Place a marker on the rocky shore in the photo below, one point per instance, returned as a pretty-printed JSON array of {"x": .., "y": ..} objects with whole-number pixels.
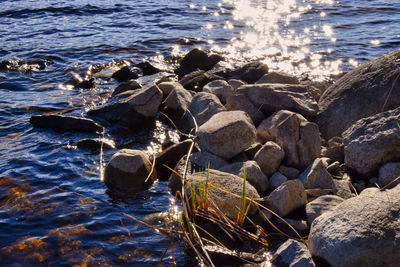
[{"x": 324, "y": 157}]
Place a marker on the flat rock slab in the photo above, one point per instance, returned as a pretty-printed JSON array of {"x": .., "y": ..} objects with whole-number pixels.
[
  {"x": 359, "y": 94},
  {"x": 60, "y": 123},
  {"x": 361, "y": 231}
]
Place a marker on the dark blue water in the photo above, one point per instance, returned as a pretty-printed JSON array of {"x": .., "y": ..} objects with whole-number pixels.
[{"x": 54, "y": 210}]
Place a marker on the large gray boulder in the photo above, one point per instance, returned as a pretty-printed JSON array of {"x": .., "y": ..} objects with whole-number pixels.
[
  {"x": 321, "y": 205},
  {"x": 292, "y": 254},
  {"x": 361, "y": 231},
  {"x": 372, "y": 141},
  {"x": 299, "y": 138},
  {"x": 128, "y": 172},
  {"x": 274, "y": 97},
  {"x": 227, "y": 134},
  {"x": 131, "y": 108},
  {"x": 360, "y": 93}
]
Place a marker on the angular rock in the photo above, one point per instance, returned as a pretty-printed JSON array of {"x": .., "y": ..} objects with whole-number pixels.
[
  {"x": 274, "y": 97},
  {"x": 249, "y": 73},
  {"x": 341, "y": 188},
  {"x": 287, "y": 197},
  {"x": 227, "y": 134},
  {"x": 128, "y": 172},
  {"x": 361, "y": 93},
  {"x": 289, "y": 172},
  {"x": 60, "y": 123},
  {"x": 197, "y": 79},
  {"x": 321, "y": 205},
  {"x": 254, "y": 175},
  {"x": 269, "y": 157},
  {"x": 317, "y": 176},
  {"x": 220, "y": 88},
  {"x": 168, "y": 87},
  {"x": 95, "y": 144},
  {"x": 372, "y": 141},
  {"x": 177, "y": 102},
  {"x": 388, "y": 173},
  {"x": 197, "y": 59},
  {"x": 278, "y": 77},
  {"x": 124, "y": 74},
  {"x": 241, "y": 102},
  {"x": 147, "y": 68},
  {"x": 361, "y": 231},
  {"x": 236, "y": 83},
  {"x": 277, "y": 179},
  {"x": 294, "y": 254},
  {"x": 132, "y": 108},
  {"x": 126, "y": 86},
  {"x": 299, "y": 138}
]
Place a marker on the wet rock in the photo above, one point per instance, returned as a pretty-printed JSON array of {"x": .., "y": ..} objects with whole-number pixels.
[
  {"x": 269, "y": 157},
  {"x": 236, "y": 83},
  {"x": 278, "y": 77},
  {"x": 197, "y": 59},
  {"x": 220, "y": 88},
  {"x": 299, "y": 138},
  {"x": 197, "y": 79},
  {"x": 126, "y": 86},
  {"x": 361, "y": 231},
  {"x": 293, "y": 253},
  {"x": 321, "y": 205},
  {"x": 177, "y": 102},
  {"x": 317, "y": 176},
  {"x": 87, "y": 84},
  {"x": 287, "y": 197},
  {"x": 147, "y": 68},
  {"x": 241, "y": 102},
  {"x": 274, "y": 97},
  {"x": 388, "y": 173},
  {"x": 95, "y": 144},
  {"x": 250, "y": 73},
  {"x": 335, "y": 149},
  {"x": 227, "y": 203},
  {"x": 124, "y": 74},
  {"x": 227, "y": 134},
  {"x": 170, "y": 157},
  {"x": 254, "y": 175},
  {"x": 289, "y": 172},
  {"x": 203, "y": 106},
  {"x": 60, "y": 123},
  {"x": 371, "y": 142},
  {"x": 359, "y": 94},
  {"x": 128, "y": 172},
  {"x": 132, "y": 109},
  {"x": 277, "y": 179}
]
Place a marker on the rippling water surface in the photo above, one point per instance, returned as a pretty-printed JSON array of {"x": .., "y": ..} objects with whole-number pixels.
[{"x": 53, "y": 208}]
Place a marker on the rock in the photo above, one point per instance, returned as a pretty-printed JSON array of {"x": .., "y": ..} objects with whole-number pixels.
[
  {"x": 168, "y": 87},
  {"x": 321, "y": 205},
  {"x": 124, "y": 74},
  {"x": 388, "y": 173},
  {"x": 197, "y": 79},
  {"x": 252, "y": 150},
  {"x": 360, "y": 186},
  {"x": 254, "y": 175},
  {"x": 198, "y": 161},
  {"x": 269, "y": 157},
  {"x": 177, "y": 102},
  {"x": 317, "y": 192},
  {"x": 287, "y": 197},
  {"x": 227, "y": 203},
  {"x": 361, "y": 231},
  {"x": 60, "y": 123},
  {"x": 317, "y": 176},
  {"x": 289, "y": 172},
  {"x": 294, "y": 254},
  {"x": 203, "y": 106},
  {"x": 147, "y": 68},
  {"x": 277, "y": 179},
  {"x": 227, "y": 134},
  {"x": 87, "y": 84},
  {"x": 371, "y": 142},
  {"x": 335, "y": 149},
  {"x": 95, "y": 144},
  {"x": 299, "y": 138},
  {"x": 359, "y": 94},
  {"x": 236, "y": 83},
  {"x": 197, "y": 59},
  {"x": 278, "y": 77},
  {"x": 129, "y": 172},
  {"x": 274, "y": 97},
  {"x": 250, "y": 73},
  {"x": 126, "y": 86},
  {"x": 241, "y": 102},
  {"x": 341, "y": 188},
  {"x": 170, "y": 157},
  {"x": 220, "y": 88},
  {"x": 131, "y": 109}
]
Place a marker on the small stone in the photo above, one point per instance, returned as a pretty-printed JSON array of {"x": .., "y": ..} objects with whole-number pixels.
[
  {"x": 269, "y": 157},
  {"x": 277, "y": 179},
  {"x": 317, "y": 176}
]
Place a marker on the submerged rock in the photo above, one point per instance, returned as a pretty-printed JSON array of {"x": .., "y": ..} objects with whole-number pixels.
[
  {"x": 60, "y": 123},
  {"x": 129, "y": 172}
]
